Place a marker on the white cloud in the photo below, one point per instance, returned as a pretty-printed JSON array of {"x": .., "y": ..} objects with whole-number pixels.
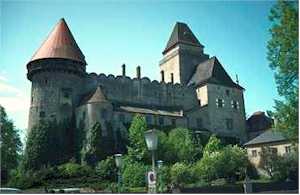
[
  {"x": 12, "y": 98},
  {"x": 3, "y": 78}
]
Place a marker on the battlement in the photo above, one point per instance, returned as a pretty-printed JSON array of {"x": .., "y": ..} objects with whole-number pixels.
[{"x": 143, "y": 91}]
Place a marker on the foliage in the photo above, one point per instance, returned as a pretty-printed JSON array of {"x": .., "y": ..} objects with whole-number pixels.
[
  {"x": 10, "y": 145},
  {"x": 93, "y": 148},
  {"x": 71, "y": 169},
  {"x": 283, "y": 57},
  {"x": 279, "y": 167},
  {"x": 47, "y": 145},
  {"x": 163, "y": 178},
  {"x": 137, "y": 148},
  {"x": 106, "y": 169},
  {"x": 180, "y": 146},
  {"x": 134, "y": 173},
  {"x": 181, "y": 174},
  {"x": 221, "y": 162},
  {"x": 213, "y": 145}
]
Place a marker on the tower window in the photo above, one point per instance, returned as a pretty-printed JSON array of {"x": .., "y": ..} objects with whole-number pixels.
[
  {"x": 220, "y": 103},
  {"x": 46, "y": 81},
  {"x": 42, "y": 114},
  {"x": 104, "y": 113},
  {"x": 227, "y": 92},
  {"x": 173, "y": 122},
  {"x": 172, "y": 78},
  {"x": 161, "y": 121},
  {"x": 199, "y": 122},
  {"x": 199, "y": 102},
  {"x": 254, "y": 153},
  {"x": 122, "y": 118},
  {"x": 235, "y": 104},
  {"x": 148, "y": 119},
  {"x": 229, "y": 124}
]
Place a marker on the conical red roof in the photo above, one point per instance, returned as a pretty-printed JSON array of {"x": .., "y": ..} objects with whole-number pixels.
[
  {"x": 98, "y": 96},
  {"x": 60, "y": 43}
]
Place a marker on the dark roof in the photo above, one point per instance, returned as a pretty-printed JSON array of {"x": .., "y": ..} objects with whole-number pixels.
[
  {"x": 182, "y": 34},
  {"x": 267, "y": 137},
  {"x": 258, "y": 121},
  {"x": 211, "y": 71},
  {"x": 177, "y": 113},
  {"x": 60, "y": 43}
]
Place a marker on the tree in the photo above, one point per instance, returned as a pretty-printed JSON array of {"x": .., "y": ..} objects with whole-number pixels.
[
  {"x": 37, "y": 147},
  {"x": 10, "y": 145},
  {"x": 137, "y": 148},
  {"x": 181, "y": 147},
  {"x": 93, "y": 149},
  {"x": 283, "y": 57}
]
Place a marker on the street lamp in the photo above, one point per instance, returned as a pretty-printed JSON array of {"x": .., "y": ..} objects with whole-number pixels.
[
  {"x": 119, "y": 163},
  {"x": 151, "y": 141}
]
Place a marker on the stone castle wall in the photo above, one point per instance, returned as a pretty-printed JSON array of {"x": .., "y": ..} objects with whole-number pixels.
[{"x": 142, "y": 91}]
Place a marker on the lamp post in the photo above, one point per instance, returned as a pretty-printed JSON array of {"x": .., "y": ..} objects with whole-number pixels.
[
  {"x": 119, "y": 163},
  {"x": 151, "y": 141}
]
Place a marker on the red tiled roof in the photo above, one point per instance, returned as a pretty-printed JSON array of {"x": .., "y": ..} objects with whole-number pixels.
[{"x": 60, "y": 43}]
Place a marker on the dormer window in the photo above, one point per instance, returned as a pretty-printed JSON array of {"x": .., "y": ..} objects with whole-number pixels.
[{"x": 220, "y": 103}]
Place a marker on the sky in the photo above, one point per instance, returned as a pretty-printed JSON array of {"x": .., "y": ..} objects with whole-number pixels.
[{"x": 111, "y": 33}]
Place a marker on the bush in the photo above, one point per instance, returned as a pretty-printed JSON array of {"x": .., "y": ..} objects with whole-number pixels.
[
  {"x": 163, "y": 178},
  {"x": 181, "y": 174},
  {"x": 106, "y": 169},
  {"x": 70, "y": 170},
  {"x": 134, "y": 174},
  {"x": 279, "y": 168},
  {"x": 227, "y": 162}
]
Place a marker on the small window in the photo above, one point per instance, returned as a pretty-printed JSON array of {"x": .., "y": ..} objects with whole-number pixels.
[
  {"x": 287, "y": 149},
  {"x": 148, "y": 119},
  {"x": 199, "y": 122},
  {"x": 46, "y": 81},
  {"x": 122, "y": 118},
  {"x": 161, "y": 121},
  {"x": 199, "y": 102},
  {"x": 229, "y": 124},
  {"x": 227, "y": 92},
  {"x": 235, "y": 104},
  {"x": 274, "y": 151},
  {"x": 172, "y": 78},
  {"x": 254, "y": 153},
  {"x": 42, "y": 114},
  {"x": 173, "y": 122},
  {"x": 220, "y": 103},
  {"x": 104, "y": 113}
]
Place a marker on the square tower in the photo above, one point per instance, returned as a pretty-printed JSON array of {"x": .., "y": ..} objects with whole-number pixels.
[{"x": 181, "y": 55}]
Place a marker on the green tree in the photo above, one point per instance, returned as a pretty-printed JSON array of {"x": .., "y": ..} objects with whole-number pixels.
[
  {"x": 213, "y": 145},
  {"x": 137, "y": 148},
  {"x": 93, "y": 149},
  {"x": 37, "y": 147},
  {"x": 10, "y": 145},
  {"x": 181, "y": 147},
  {"x": 283, "y": 57}
]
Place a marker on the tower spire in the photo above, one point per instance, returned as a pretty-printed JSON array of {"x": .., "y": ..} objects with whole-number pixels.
[{"x": 60, "y": 43}]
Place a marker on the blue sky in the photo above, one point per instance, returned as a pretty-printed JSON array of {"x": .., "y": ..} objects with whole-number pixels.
[{"x": 111, "y": 33}]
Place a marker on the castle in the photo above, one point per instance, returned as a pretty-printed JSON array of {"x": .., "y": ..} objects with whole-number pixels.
[{"x": 194, "y": 91}]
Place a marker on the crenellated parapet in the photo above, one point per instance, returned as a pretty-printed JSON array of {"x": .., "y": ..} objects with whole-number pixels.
[{"x": 143, "y": 91}]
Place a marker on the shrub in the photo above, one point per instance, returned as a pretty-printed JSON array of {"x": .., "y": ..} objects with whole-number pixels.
[
  {"x": 134, "y": 174},
  {"x": 69, "y": 170},
  {"x": 279, "y": 167},
  {"x": 228, "y": 162},
  {"x": 106, "y": 169},
  {"x": 181, "y": 174},
  {"x": 163, "y": 178},
  {"x": 181, "y": 147}
]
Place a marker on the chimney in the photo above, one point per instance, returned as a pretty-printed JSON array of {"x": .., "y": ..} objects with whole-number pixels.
[
  {"x": 237, "y": 78},
  {"x": 172, "y": 78},
  {"x": 123, "y": 70},
  {"x": 162, "y": 76},
  {"x": 138, "y": 72}
]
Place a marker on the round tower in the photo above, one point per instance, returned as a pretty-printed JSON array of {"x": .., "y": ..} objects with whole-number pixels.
[{"x": 56, "y": 71}]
